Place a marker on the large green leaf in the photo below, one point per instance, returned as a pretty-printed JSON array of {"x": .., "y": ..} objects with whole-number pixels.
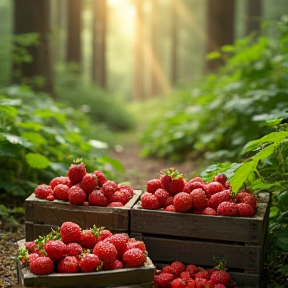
[
  {"x": 14, "y": 139},
  {"x": 36, "y": 160}
]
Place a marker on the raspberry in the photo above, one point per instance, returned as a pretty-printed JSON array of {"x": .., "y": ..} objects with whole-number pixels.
[
  {"x": 42, "y": 191},
  {"x": 178, "y": 283},
  {"x": 164, "y": 280},
  {"x": 97, "y": 198},
  {"x": 178, "y": 267}
]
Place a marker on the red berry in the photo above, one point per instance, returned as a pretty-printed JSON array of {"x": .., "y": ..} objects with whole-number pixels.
[
  {"x": 70, "y": 232},
  {"x": 152, "y": 185},
  {"x": 77, "y": 195},
  {"x": 164, "y": 280},
  {"x": 170, "y": 208},
  {"x": 55, "y": 249},
  {"x": 76, "y": 172},
  {"x": 117, "y": 264},
  {"x": 106, "y": 251},
  {"x": 101, "y": 177},
  {"x": 162, "y": 195},
  {"x": 213, "y": 187},
  {"x": 42, "y": 191},
  {"x": 108, "y": 188},
  {"x": 178, "y": 266},
  {"x": 89, "y": 183},
  {"x": 119, "y": 196},
  {"x": 88, "y": 239},
  {"x": 178, "y": 283},
  {"x": 221, "y": 178},
  {"x": 227, "y": 209},
  {"x": 149, "y": 201},
  {"x": 191, "y": 185},
  {"x": 69, "y": 264},
  {"x": 220, "y": 277},
  {"x": 42, "y": 265},
  {"x": 89, "y": 263},
  {"x": 119, "y": 240},
  {"x": 218, "y": 198},
  {"x": 134, "y": 258},
  {"x": 245, "y": 210},
  {"x": 30, "y": 246},
  {"x": 133, "y": 243},
  {"x": 199, "y": 199},
  {"x": 182, "y": 202},
  {"x": 209, "y": 211},
  {"x": 74, "y": 249},
  {"x": 60, "y": 180},
  {"x": 61, "y": 192},
  {"x": 97, "y": 198},
  {"x": 115, "y": 205}
]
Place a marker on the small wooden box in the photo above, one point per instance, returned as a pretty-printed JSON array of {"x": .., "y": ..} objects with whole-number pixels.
[
  {"x": 200, "y": 239},
  {"x": 42, "y": 215}
]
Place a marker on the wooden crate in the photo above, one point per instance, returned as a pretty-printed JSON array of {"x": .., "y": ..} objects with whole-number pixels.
[
  {"x": 131, "y": 277},
  {"x": 199, "y": 239},
  {"x": 42, "y": 215}
]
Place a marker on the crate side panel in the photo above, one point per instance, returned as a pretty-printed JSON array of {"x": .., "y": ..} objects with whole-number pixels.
[{"x": 203, "y": 253}]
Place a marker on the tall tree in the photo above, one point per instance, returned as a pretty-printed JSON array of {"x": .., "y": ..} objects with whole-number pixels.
[
  {"x": 254, "y": 12},
  {"x": 34, "y": 16},
  {"x": 220, "y": 27},
  {"x": 99, "y": 43},
  {"x": 73, "y": 45},
  {"x": 139, "y": 51}
]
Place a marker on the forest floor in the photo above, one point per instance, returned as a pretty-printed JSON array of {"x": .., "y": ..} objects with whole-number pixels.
[{"x": 138, "y": 171}]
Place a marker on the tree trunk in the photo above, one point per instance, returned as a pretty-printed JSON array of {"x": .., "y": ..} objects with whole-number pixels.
[
  {"x": 254, "y": 12},
  {"x": 73, "y": 48},
  {"x": 139, "y": 52},
  {"x": 99, "y": 43},
  {"x": 34, "y": 16},
  {"x": 220, "y": 28},
  {"x": 174, "y": 42}
]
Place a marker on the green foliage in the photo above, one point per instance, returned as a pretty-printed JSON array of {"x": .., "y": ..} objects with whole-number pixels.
[
  {"x": 101, "y": 106},
  {"x": 39, "y": 138},
  {"x": 227, "y": 109}
]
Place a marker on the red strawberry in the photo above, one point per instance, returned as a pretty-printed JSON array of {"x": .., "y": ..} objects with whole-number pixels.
[
  {"x": 89, "y": 263},
  {"x": 170, "y": 208},
  {"x": 163, "y": 280},
  {"x": 202, "y": 274},
  {"x": 89, "y": 183},
  {"x": 133, "y": 258},
  {"x": 55, "y": 249},
  {"x": 199, "y": 199},
  {"x": 32, "y": 257},
  {"x": 178, "y": 266},
  {"x": 169, "y": 201},
  {"x": 74, "y": 249},
  {"x": 119, "y": 196},
  {"x": 197, "y": 179},
  {"x": 162, "y": 195},
  {"x": 213, "y": 187},
  {"x": 106, "y": 251},
  {"x": 172, "y": 180},
  {"x": 42, "y": 265},
  {"x": 149, "y": 201},
  {"x": 30, "y": 246},
  {"x": 101, "y": 177},
  {"x": 209, "y": 211},
  {"x": 50, "y": 197},
  {"x": 247, "y": 197},
  {"x": 220, "y": 277},
  {"x": 245, "y": 210},
  {"x": 42, "y": 191},
  {"x": 77, "y": 195},
  {"x": 192, "y": 269},
  {"x": 117, "y": 264},
  {"x": 127, "y": 190},
  {"x": 89, "y": 237},
  {"x": 97, "y": 198},
  {"x": 152, "y": 185},
  {"x": 178, "y": 283},
  {"x": 70, "y": 232},
  {"x": 76, "y": 172},
  {"x": 60, "y": 180},
  {"x": 191, "y": 185},
  {"x": 108, "y": 188},
  {"x": 105, "y": 233},
  {"x": 115, "y": 205},
  {"x": 119, "y": 240},
  {"x": 182, "y": 202},
  {"x": 61, "y": 192},
  {"x": 227, "y": 209},
  {"x": 69, "y": 264},
  {"x": 168, "y": 269},
  {"x": 185, "y": 275},
  {"x": 218, "y": 198},
  {"x": 191, "y": 284},
  {"x": 133, "y": 243},
  {"x": 221, "y": 178}
]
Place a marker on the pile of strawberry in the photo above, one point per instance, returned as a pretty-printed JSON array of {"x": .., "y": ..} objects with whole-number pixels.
[
  {"x": 171, "y": 192},
  {"x": 72, "y": 249},
  {"x": 177, "y": 275},
  {"x": 81, "y": 188}
]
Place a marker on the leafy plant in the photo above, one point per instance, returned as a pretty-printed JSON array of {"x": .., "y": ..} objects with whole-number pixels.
[
  {"x": 38, "y": 140},
  {"x": 227, "y": 109}
]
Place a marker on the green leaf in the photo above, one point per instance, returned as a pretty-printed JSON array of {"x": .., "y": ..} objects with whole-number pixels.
[
  {"x": 35, "y": 138},
  {"x": 36, "y": 160},
  {"x": 283, "y": 201},
  {"x": 14, "y": 139},
  {"x": 114, "y": 163}
]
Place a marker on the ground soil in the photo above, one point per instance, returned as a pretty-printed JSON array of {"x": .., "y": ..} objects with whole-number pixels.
[{"x": 138, "y": 171}]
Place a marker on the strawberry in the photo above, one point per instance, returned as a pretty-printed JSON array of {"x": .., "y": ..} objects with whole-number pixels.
[
  {"x": 89, "y": 237},
  {"x": 127, "y": 190},
  {"x": 42, "y": 191},
  {"x": 74, "y": 249},
  {"x": 163, "y": 280},
  {"x": 61, "y": 192},
  {"x": 220, "y": 277},
  {"x": 104, "y": 233},
  {"x": 101, "y": 177},
  {"x": 178, "y": 266},
  {"x": 170, "y": 208},
  {"x": 192, "y": 269},
  {"x": 218, "y": 198},
  {"x": 153, "y": 184},
  {"x": 197, "y": 179},
  {"x": 133, "y": 243},
  {"x": 133, "y": 257},
  {"x": 119, "y": 240},
  {"x": 76, "y": 172},
  {"x": 97, "y": 198},
  {"x": 202, "y": 274},
  {"x": 108, "y": 188},
  {"x": 117, "y": 264},
  {"x": 55, "y": 249},
  {"x": 168, "y": 269},
  {"x": 60, "y": 180},
  {"x": 247, "y": 197},
  {"x": 172, "y": 180},
  {"x": 191, "y": 284},
  {"x": 50, "y": 197},
  {"x": 32, "y": 257},
  {"x": 106, "y": 251},
  {"x": 182, "y": 202},
  {"x": 149, "y": 201},
  {"x": 70, "y": 232},
  {"x": 77, "y": 195},
  {"x": 119, "y": 196},
  {"x": 199, "y": 199},
  {"x": 162, "y": 195},
  {"x": 42, "y": 265},
  {"x": 30, "y": 246},
  {"x": 245, "y": 210},
  {"x": 221, "y": 178},
  {"x": 115, "y": 205},
  {"x": 209, "y": 211},
  {"x": 178, "y": 283},
  {"x": 69, "y": 264},
  {"x": 169, "y": 201},
  {"x": 191, "y": 185},
  {"x": 185, "y": 275},
  {"x": 213, "y": 187},
  {"x": 89, "y": 183},
  {"x": 227, "y": 209},
  {"x": 89, "y": 263}
]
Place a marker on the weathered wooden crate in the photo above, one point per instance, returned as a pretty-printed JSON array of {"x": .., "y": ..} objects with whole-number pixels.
[
  {"x": 200, "y": 239},
  {"x": 42, "y": 215},
  {"x": 131, "y": 277}
]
